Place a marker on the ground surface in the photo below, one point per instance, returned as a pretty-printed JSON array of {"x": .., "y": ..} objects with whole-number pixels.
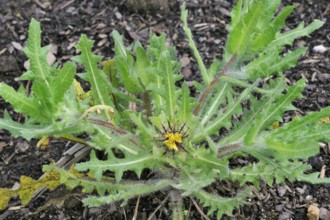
[{"x": 64, "y": 21}]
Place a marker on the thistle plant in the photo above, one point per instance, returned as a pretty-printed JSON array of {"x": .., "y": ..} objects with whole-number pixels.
[{"x": 139, "y": 112}]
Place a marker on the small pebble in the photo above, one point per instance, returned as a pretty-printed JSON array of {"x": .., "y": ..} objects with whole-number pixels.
[
  {"x": 320, "y": 49},
  {"x": 301, "y": 190},
  {"x": 279, "y": 208},
  {"x": 324, "y": 214},
  {"x": 281, "y": 191},
  {"x": 217, "y": 41},
  {"x": 309, "y": 198},
  {"x": 118, "y": 15}
]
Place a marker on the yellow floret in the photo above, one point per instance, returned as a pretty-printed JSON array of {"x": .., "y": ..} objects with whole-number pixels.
[{"x": 172, "y": 139}]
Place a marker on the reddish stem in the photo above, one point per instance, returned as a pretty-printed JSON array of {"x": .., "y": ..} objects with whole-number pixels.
[{"x": 213, "y": 83}]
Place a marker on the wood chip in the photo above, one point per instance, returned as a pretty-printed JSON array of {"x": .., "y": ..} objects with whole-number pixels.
[
  {"x": 322, "y": 172},
  {"x": 16, "y": 45},
  {"x": 324, "y": 214},
  {"x": 118, "y": 15},
  {"x": 313, "y": 212},
  {"x": 100, "y": 26}
]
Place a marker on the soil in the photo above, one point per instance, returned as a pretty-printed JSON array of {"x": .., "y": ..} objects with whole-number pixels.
[{"x": 62, "y": 24}]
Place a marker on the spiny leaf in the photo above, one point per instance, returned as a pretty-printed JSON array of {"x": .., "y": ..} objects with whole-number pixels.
[
  {"x": 254, "y": 173},
  {"x": 131, "y": 162},
  {"x": 62, "y": 81},
  {"x": 186, "y": 106},
  {"x": 126, "y": 194},
  {"x": 144, "y": 131},
  {"x": 207, "y": 160},
  {"x": 20, "y": 102},
  {"x": 288, "y": 37},
  {"x": 287, "y": 140},
  {"x": 274, "y": 111},
  {"x": 125, "y": 65},
  {"x": 272, "y": 63},
  {"x": 241, "y": 34},
  {"x": 100, "y": 86},
  {"x": 213, "y": 103},
  {"x": 72, "y": 179},
  {"x": 223, "y": 205},
  {"x": 38, "y": 64},
  {"x": 39, "y": 69},
  {"x": 257, "y": 106},
  {"x": 279, "y": 21},
  {"x": 236, "y": 14},
  {"x": 169, "y": 79},
  {"x": 233, "y": 107}
]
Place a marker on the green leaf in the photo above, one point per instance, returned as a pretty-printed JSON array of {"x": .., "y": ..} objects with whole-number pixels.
[
  {"x": 287, "y": 140},
  {"x": 39, "y": 69},
  {"x": 223, "y": 205},
  {"x": 101, "y": 87},
  {"x": 257, "y": 106},
  {"x": 125, "y": 65},
  {"x": 134, "y": 163},
  {"x": 20, "y": 102},
  {"x": 130, "y": 192},
  {"x": 105, "y": 139},
  {"x": 235, "y": 14},
  {"x": 238, "y": 38},
  {"x": 169, "y": 79},
  {"x": 186, "y": 106},
  {"x": 279, "y": 21},
  {"x": 273, "y": 112},
  {"x": 288, "y": 37},
  {"x": 222, "y": 118},
  {"x": 61, "y": 83},
  {"x": 271, "y": 63},
  {"x": 184, "y": 18},
  {"x": 143, "y": 67}
]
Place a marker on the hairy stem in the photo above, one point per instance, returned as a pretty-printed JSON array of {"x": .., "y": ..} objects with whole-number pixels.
[
  {"x": 192, "y": 45},
  {"x": 108, "y": 125},
  {"x": 176, "y": 204},
  {"x": 147, "y": 103},
  {"x": 213, "y": 84},
  {"x": 244, "y": 84},
  {"x": 114, "y": 128}
]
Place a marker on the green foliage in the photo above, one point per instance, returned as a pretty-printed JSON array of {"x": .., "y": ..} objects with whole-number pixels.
[{"x": 244, "y": 94}]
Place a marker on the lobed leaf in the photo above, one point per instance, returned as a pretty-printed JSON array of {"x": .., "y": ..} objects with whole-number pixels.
[
  {"x": 273, "y": 111},
  {"x": 222, "y": 205},
  {"x": 134, "y": 163},
  {"x": 100, "y": 87},
  {"x": 62, "y": 81}
]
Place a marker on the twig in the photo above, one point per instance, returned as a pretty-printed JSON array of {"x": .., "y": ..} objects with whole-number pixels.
[
  {"x": 199, "y": 209},
  {"x": 136, "y": 209},
  {"x": 161, "y": 204}
]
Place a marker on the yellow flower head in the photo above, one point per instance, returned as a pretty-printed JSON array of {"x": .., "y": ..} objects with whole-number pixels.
[{"x": 172, "y": 140}]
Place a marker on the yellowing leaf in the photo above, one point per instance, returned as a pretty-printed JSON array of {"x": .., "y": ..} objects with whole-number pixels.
[
  {"x": 325, "y": 120},
  {"x": 275, "y": 124},
  {"x": 28, "y": 185},
  {"x": 5, "y": 195},
  {"x": 43, "y": 142},
  {"x": 75, "y": 172},
  {"x": 80, "y": 93}
]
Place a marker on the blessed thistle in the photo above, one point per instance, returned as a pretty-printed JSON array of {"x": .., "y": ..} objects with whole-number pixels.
[{"x": 174, "y": 134}]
